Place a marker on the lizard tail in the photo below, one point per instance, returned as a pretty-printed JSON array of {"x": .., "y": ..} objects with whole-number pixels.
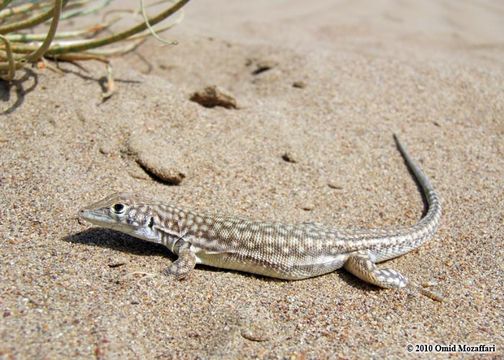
[{"x": 433, "y": 215}]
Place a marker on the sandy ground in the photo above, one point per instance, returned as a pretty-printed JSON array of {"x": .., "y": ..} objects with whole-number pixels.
[{"x": 327, "y": 82}]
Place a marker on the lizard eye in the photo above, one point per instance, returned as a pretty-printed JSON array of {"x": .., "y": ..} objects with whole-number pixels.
[{"x": 118, "y": 208}]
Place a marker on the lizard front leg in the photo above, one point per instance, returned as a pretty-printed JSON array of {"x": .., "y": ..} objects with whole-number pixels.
[{"x": 182, "y": 267}]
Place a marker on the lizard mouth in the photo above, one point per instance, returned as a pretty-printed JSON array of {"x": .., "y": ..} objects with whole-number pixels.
[{"x": 96, "y": 217}]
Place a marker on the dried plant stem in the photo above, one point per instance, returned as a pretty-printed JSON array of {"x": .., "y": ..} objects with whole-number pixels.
[
  {"x": 151, "y": 29},
  {"x": 119, "y": 36},
  {"x": 37, "y": 54},
  {"x": 20, "y": 48},
  {"x": 22, "y": 9},
  {"x": 28, "y": 23},
  {"x": 94, "y": 43},
  {"x": 10, "y": 58},
  {"x": 25, "y": 38},
  {"x": 80, "y": 12},
  {"x": 5, "y": 3}
]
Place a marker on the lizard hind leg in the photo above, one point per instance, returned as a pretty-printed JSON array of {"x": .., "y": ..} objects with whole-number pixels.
[{"x": 361, "y": 265}]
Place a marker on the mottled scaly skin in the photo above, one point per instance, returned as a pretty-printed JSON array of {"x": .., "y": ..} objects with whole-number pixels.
[{"x": 268, "y": 248}]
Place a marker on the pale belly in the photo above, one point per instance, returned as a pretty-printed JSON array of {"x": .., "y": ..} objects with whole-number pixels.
[{"x": 276, "y": 267}]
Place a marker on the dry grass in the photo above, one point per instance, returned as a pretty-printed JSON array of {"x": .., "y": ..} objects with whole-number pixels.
[{"x": 21, "y": 45}]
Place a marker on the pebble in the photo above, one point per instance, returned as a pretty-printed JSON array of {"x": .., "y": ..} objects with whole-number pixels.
[
  {"x": 334, "y": 185},
  {"x": 289, "y": 157},
  {"x": 299, "y": 84},
  {"x": 213, "y": 96}
]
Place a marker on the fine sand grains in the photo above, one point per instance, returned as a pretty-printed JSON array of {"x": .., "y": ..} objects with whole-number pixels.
[{"x": 320, "y": 88}]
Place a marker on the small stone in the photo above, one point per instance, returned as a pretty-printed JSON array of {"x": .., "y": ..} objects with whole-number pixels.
[
  {"x": 308, "y": 207},
  {"x": 113, "y": 263},
  {"x": 212, "y": 96},
  {"x": 255, "y": 333},
  {"x": 335, "y": 186},
  {"x": 168, "y": 67},
  {"x": 299, "y": 84},
  {"x": 106, "y": 149},
  {"x": 81, "y": 116},
  {"x": 289, "y": 157},
  {"x": 262, "y": 66}
]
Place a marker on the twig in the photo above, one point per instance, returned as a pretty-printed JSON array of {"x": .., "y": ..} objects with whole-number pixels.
[{"x": 110, "y": 87}]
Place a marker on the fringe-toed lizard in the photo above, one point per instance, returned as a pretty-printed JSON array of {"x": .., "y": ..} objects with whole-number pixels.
[{"x": 272, "y": 249}]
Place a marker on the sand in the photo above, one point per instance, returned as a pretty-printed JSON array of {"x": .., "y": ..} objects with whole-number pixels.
[{"x": 320, "y": 88}]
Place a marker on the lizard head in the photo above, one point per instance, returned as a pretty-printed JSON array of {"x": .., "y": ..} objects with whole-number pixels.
[{"x": 125, "y": 212}]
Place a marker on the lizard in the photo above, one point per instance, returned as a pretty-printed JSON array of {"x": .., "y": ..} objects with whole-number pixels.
[{"x": 272, "y": 249}]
